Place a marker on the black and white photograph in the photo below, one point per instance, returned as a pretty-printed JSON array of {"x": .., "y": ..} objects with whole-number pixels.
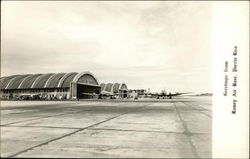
[{"x": 124, "y": 79}]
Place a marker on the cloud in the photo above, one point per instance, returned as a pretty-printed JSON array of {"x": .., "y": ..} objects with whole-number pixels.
[{"x": 145, "y": 44}]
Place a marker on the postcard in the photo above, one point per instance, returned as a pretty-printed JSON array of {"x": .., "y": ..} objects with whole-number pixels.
[{"x": 124, "y": 79}]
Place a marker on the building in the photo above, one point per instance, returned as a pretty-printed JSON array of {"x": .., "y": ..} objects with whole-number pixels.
[
  {"x": 139, "y": 91},
  {"x": 115, "y": 89},
  {"x": 48, "y": 86},
  {"x": 135, "y": 93}
]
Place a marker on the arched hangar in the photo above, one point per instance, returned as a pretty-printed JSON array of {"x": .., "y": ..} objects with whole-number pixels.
[
  {"x": 71, "y": 85},
  {"x": 118, "y": 89}
]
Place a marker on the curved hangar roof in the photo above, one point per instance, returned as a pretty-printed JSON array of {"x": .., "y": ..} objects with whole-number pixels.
[
  {"x": 49, "y": 80},
  {"x": 113, "y": 87}
]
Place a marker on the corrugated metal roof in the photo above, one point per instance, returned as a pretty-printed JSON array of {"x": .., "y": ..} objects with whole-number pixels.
[
  {"x": 53, "y": 81},
  {"x": 103, "y": 86},
  {"x": 5, "y": 81},
  {"x": 116, "y": 87},
  {"x": 27, "y": 83},
  {"x": 108, "y": 87},
  {"x": 50, "y": 80},
  {"x": 66, "y": 82},
  {"x": 15, "y": 82},
  {"x": 40, "y": 82}
]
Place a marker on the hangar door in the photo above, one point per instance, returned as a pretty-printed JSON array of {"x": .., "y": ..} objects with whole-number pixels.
[{"x": 85, "y": 91}]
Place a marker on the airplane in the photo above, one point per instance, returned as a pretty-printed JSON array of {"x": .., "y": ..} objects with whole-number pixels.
[
  {"x": 170, "y": 95},
  {"x": 106, "y": 94},
  {"x": 27, "y": 96}
]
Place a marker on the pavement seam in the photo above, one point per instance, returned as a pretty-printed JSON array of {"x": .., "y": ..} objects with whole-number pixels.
[
  {"x": 200, "y": 110},
  {"x": 44, "y": 117},
  {"x": 16, "y": 122},
  {"x": 35, "y": 118},
  {"x": 28, "y": 126},
  {"x": 187, "y": 132},
  {"x": 167, "y": 132},
  {"x": 200, "y": 107},
  {"x": 58, "y": 138},
  {"x": 69, "y": 134},
  {"x": 30, "y": 106}
]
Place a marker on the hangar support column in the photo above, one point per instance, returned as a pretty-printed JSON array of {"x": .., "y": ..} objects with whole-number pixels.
[{"x": 73, "y": 90}]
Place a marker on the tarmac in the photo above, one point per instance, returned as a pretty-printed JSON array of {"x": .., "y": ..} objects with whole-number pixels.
[{"x": 145, "y": 128}]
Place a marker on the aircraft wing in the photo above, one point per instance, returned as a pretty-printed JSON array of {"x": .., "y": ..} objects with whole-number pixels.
[
  {"x": 177, "y": 94},
  {"x": 153, "y": 94},
  {"x": 106, "y": 93},
  {"x": 89, "y": 93},
  {"x": 28, "y": 94}
]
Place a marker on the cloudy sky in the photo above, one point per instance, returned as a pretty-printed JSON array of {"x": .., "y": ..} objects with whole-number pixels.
[{"x": 157, "y": 45}]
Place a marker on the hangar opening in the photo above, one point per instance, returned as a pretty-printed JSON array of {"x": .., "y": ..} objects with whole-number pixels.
[
  {"x": 85, "y": 86},
  {"x": 123, "y": 91},
  {"x": 87, "y": 91}
]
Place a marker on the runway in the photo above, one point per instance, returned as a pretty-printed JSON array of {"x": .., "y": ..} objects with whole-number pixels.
[{"x": 177, "y": 128}]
